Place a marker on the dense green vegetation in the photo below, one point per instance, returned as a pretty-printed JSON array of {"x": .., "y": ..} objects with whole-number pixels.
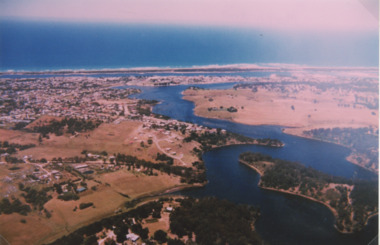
[
  {"x": 118, "y": 223},
  {"x": 365, "y": 199},
  {"x": 188, "y": 175},
  {"x": 85, "y": 205},
  {"x": 209, "y": 139},
  {"x": 36, "y": 197},
  {"x": 144, "y": 106},
  {"x": 67, "y": 125},
  {"x": 286, "y": 175},
  {"x": 232, "y": 109},
  {"x": 164, "y": 158},
  {"x": 68, "y": 196},
  {"x": 10, "y": 148},
  {"x": 11, "y": 159},
  {"x": 215, "y": 222},
  {"x": 211, "y": 220},
  {"x": 160, "y": 236},
  {"x": 32, "y": 196},
  {"x": 16, "y": 206},
  {"x": 269, "y": 142}
]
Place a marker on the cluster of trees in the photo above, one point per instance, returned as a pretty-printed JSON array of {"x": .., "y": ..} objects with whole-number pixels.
[
  {"x": 120, "y": 224},
  {"x": 85, "y": 205},
  {"x": 270, "y": 142},
  {"x": 67, "y": 125},
  {"x": 188, "y": 175},
  {"x": 144, "y": 106},
  {"x": 286, "y": 175},
  {"x": 165, "y": 158},
  {"x": 71, "y": 187},
  {"x": 10, "y": 148},
  {"x": 211, "y": 220},
  {"x": 14, "y": 160},
  {"x": 215, "y": 221},
  {"x": 16, "y": 206},
  {"x": 208, "y": 139},
  {"x": 365, "y": 199},
  {"x": 37, "y": 198},
  {"x": 232, "y": 109},
  {"x": 20, "y": 125},
  {"x": 68, "y": 196}
]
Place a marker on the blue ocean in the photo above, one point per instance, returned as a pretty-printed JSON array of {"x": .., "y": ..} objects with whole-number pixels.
[{"x": 36, "y": 46}]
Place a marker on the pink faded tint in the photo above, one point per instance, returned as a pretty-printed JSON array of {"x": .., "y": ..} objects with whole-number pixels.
[{"x": 312, "y": 15}]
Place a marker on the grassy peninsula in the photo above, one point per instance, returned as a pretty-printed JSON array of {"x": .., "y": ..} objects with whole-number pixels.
[{"x": 351, "y": 202}]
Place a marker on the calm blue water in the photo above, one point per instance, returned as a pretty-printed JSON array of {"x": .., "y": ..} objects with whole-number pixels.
[
  {"x": 285, "y": 219},
  {"x": 35, "y": 46}
]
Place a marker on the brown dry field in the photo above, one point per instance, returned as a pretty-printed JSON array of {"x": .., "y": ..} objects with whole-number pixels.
[
  {"x": 267, "y": 107},
  {"x": 162, "y": 224},
  {"x": 113, "y": 138},
  {"x": 64, "y": 220},
  {"x": 123, "y": 182},
  {"x": 18, "y": 137}
]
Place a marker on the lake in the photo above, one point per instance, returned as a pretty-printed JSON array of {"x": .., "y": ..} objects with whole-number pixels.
[{"x": 285, "y": 219}]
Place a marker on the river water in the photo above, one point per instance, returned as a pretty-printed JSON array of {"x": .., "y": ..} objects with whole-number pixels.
[{"x": 285, "y": 219}]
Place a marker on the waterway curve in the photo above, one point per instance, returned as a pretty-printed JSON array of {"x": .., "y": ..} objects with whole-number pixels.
[{"x": 285, "y": 219}]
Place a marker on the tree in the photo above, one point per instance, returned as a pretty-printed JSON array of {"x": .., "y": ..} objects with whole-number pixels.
[
  {"x": 90, "y": 240},
  {"x": 160, "y": 236},
  {"x": 175, "y": 242},
  {"x": 84, "y": 152}
]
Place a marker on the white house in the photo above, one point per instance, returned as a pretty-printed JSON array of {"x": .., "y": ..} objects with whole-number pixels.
[{"x": 133, "y": 237}]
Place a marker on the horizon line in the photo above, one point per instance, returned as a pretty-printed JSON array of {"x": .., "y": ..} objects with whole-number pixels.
[
  {"x": 179, "y": 24},
  {"x": 193, "y": 68}
]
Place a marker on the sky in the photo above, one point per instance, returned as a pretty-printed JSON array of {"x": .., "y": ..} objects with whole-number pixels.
[{"x": 284, "y": 15}]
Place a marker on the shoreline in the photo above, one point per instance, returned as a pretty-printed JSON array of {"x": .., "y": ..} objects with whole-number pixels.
[
  {"x": 191, "y": 69},
  {"x": 252, "y": 143},
  {"x": 334, "y": 212},
  {"x": 197, "y": 68},
  {"x": 327, "y": 141},
  {"x": 283, "y": 129},
  {"x": 141, "y": 199}
]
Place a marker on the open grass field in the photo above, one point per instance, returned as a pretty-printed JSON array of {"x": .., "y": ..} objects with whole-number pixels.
[
  {"x": 18, "y": 137},
  {"x": 113, "y": 189},
  {"x": 106, "y": 199},
  {"x": 125, "y": 138},
  {"x": 306, "y": 108},
  {"x": 112, "y": 138}
]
